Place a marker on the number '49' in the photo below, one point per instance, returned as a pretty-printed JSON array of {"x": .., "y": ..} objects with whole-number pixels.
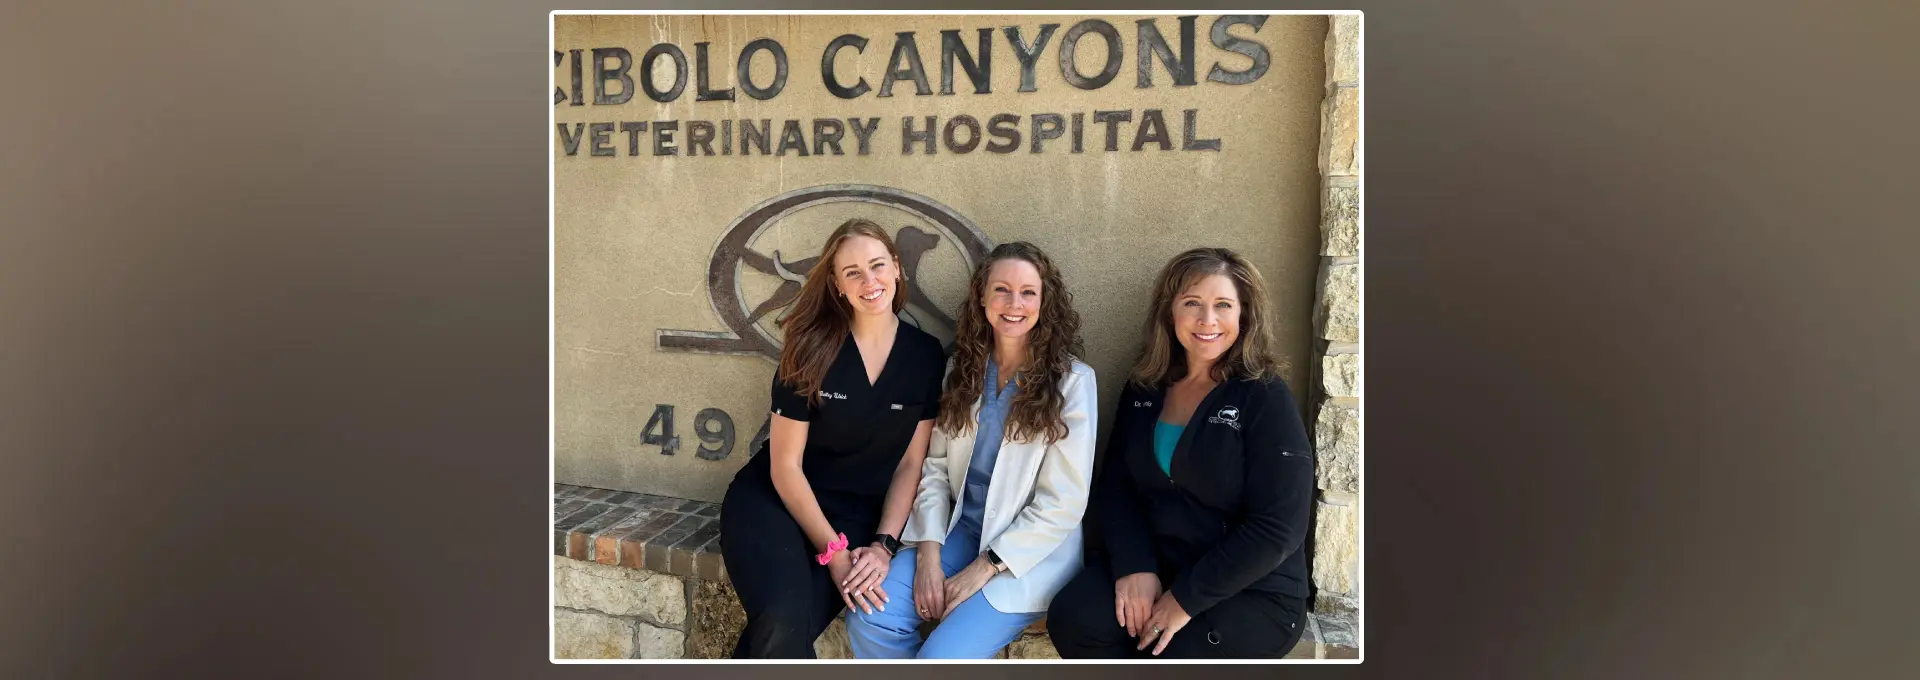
[{"x": 713, "y": 425}]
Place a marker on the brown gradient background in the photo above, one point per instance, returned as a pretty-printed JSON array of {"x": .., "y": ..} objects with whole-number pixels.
[{"x": 1641, "y": 339}]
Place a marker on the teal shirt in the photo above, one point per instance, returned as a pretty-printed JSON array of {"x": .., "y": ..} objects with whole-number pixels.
[{"x": 1166, "y": 436}]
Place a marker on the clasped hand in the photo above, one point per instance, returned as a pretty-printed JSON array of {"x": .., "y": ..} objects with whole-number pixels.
[{"x": 1146, "y": 612}]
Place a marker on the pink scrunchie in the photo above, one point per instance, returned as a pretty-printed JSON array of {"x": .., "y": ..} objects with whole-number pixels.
[{"x": 837, "y": 544}]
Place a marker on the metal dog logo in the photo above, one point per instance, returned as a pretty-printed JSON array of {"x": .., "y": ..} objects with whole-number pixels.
[{"x": 746, "y": 335}]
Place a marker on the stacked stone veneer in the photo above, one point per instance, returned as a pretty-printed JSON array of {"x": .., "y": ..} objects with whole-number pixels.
[{"x": 1336, "y": 534}]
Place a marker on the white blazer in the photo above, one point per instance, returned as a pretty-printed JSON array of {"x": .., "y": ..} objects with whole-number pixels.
[{"x": 1034, "y": 502}]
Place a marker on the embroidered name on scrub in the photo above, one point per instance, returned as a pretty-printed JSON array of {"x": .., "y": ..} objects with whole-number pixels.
[{"x": 831, "y": 395}]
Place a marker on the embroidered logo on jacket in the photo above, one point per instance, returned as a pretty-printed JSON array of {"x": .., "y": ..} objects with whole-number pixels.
[
  {"x": 1229, "y": 416},
  {"x": 1142, "y": 403}
]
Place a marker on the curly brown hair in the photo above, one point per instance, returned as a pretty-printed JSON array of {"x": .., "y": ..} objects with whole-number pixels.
[
  {"x": 1051, "y": 347},
  {"x": 1252, "y": 356},
  {"x": 820, "y": 317}
]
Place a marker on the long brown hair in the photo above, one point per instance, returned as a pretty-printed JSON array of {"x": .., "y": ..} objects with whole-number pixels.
[
  {"x": 1051, "y": 347},
  {"x": 819, "y": 318},
  {"x": 1164, "y": 359}
]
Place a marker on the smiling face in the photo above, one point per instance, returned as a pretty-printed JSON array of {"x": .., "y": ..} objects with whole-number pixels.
[
  {"x": 1012, "y": 298},
  {"x": 866, "y": 275},
  {"x": 1206, "y": 317}
]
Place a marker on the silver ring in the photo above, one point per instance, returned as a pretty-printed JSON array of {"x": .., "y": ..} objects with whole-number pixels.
[{"x": 1156, "y": 630}]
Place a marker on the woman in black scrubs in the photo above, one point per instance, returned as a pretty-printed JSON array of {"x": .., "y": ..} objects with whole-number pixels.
[
  {"x": 1203, "y": 500},
  {"x": 811, "y": 522}
]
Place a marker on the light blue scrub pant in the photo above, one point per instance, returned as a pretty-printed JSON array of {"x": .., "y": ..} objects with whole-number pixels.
[{"x": 975, "y": 630}]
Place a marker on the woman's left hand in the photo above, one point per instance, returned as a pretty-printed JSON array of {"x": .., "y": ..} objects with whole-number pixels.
[
  {"x": 1167, "y": 618},
  {"x": 969, "y": 581},
  {"x": 869, "y": 570}
]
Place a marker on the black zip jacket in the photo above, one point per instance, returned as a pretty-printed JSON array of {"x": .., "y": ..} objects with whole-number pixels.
[{"x": 1233, "y": 516}]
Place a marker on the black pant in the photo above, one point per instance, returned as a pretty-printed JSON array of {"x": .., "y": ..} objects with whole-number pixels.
[
  {"x": 1249, "y": 625},
  {"x": 789, "y": 598}
]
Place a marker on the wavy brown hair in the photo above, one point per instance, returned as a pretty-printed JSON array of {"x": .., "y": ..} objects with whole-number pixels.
[
  {"x": 1252, "y": 356},
  {"x": 819, "y": 316},
  {"x": 1051, "y": 347}
]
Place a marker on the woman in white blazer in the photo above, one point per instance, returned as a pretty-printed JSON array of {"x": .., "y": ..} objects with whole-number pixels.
[{"x": 995, "y": 529}]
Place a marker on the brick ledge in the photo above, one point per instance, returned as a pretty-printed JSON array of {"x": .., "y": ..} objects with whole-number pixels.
[{"x": 638, "y": 531}]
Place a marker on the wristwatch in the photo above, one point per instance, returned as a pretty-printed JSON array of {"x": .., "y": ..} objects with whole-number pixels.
[
  {"x": 892, "y": 545},
  {"x": 994, "y": 559}
]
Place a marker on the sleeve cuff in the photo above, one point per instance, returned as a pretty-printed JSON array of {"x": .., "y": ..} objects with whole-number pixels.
[
  {"x": 1124, "y": 566},
  {"x": 1014, "y": 568},
  {"x": 924, "y": 526},
  {"x": 1190, "y": 602}
]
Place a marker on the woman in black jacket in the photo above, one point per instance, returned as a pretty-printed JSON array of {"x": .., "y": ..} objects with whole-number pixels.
[{"x": 1203, "y": 502}]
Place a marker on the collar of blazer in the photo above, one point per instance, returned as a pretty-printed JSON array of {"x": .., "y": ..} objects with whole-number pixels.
[
  {"x": 1016, "y": 460},
  {"x": 963, "y": 444}
]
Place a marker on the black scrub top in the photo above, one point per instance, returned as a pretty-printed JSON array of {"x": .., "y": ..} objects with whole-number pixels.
[{"x": 858, "y": 432}]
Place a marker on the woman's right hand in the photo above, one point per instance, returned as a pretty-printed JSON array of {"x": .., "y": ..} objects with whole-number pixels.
[
  {"x": 1133, "y": 597},
  {"x": 929, "y": 582}
]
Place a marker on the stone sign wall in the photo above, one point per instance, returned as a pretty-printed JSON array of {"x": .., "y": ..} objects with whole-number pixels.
[{"x": 699, "y": 161}]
